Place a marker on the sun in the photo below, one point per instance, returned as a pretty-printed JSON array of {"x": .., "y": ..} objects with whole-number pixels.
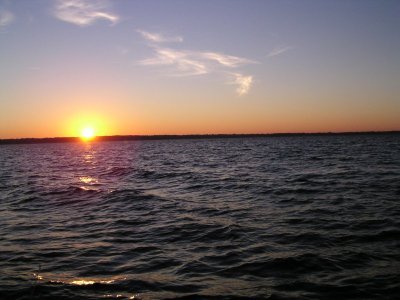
[{"x": 87, "y": 133}]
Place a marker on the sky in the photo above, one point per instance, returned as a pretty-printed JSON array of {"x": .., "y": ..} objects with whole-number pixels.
[{"x": 198, "y": 67}]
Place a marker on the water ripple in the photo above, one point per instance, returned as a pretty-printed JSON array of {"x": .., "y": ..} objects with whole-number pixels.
[{"x": 258, "y": 218}]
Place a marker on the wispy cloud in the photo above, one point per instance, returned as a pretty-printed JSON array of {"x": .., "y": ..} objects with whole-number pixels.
[
  {"x": 6, "y": 18},
  {"x": 159, "y": 38},
  {"x": 243, "y": 83},
  {"x": 189, "y": 63},
  {"x": 278, "y": 50},
  {"x": 183, "y": 63},
  {"x": 226, "y": 60},
  {"x": 192, "y": 63},
  {"x": 84, "y": 12}
]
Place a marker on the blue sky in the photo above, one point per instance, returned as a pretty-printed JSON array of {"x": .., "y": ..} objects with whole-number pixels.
[{"x": 149, "y": 67}]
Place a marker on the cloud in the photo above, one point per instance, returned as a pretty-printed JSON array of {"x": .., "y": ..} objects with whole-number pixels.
[
  {"x": 188, "y": 63},
  {"x": 243, "y": 83},
  {"x": 159, "y": 38},
  {"x": 192, "y": 63},
  {"x": 83, "y": 12},
  {"x": 183, "y": 62},
  {"x": 226, "y": 60},
  {"x": 6, "y": 18},
  {"x": 278, "y": 50}
]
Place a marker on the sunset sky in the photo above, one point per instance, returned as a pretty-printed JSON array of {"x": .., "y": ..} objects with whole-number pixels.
[{"x": 194, "y": 67}]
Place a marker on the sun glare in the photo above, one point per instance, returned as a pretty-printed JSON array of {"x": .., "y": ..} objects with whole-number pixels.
[{"x": 87, "y": 133}]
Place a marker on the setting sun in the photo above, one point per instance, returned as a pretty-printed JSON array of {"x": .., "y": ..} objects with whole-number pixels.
[{"x": 87, "y": 133}]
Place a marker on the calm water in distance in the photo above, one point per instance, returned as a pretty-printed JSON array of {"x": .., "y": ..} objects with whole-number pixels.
[{"x": 315, "y": 217}]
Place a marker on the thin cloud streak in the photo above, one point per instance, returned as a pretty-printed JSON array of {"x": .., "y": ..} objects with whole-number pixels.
[
  {"x": 226, "y": 60},
  {"x": 83, "y": 12},
  {"x": 278, "y": 51},
  {"x": 184, "y": 64},
  {"x": 159, "y": 38},
  {"x": 6, "y": 18}
]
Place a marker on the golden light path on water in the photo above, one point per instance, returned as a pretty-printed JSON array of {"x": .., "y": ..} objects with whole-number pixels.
[
  {"x": 88, "y": 182},
  {"x": 86, "y": 282}
]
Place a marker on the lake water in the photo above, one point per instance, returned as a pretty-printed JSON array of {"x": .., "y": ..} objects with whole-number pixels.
[{"x": 312, "y": 217}]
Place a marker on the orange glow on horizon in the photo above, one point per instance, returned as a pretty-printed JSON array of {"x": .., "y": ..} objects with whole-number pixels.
[{"x": 88, "y": 126}]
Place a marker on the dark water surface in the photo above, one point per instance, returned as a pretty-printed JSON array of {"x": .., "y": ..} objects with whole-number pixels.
[{"x": 315, "y": 217}]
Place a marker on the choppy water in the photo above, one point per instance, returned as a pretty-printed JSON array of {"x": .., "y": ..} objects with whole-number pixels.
[{"x": 281, "y": 217}]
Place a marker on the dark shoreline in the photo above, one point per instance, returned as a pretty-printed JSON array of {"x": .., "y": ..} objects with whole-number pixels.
[{"x": 180, "y": 137}]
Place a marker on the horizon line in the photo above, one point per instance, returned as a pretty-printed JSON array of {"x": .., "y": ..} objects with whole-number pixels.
[{"x": 138, "y": 137}]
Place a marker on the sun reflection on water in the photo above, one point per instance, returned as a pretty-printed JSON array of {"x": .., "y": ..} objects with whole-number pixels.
[
  {"x": 88, "y": 153},
  {"x": 86, "y": 167},
  {"x": 90, "y": 282},
  {"x": 76, "y": 281},
  {"x": 88, "y": 158},
  {"x": 87, "y": 179}
]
